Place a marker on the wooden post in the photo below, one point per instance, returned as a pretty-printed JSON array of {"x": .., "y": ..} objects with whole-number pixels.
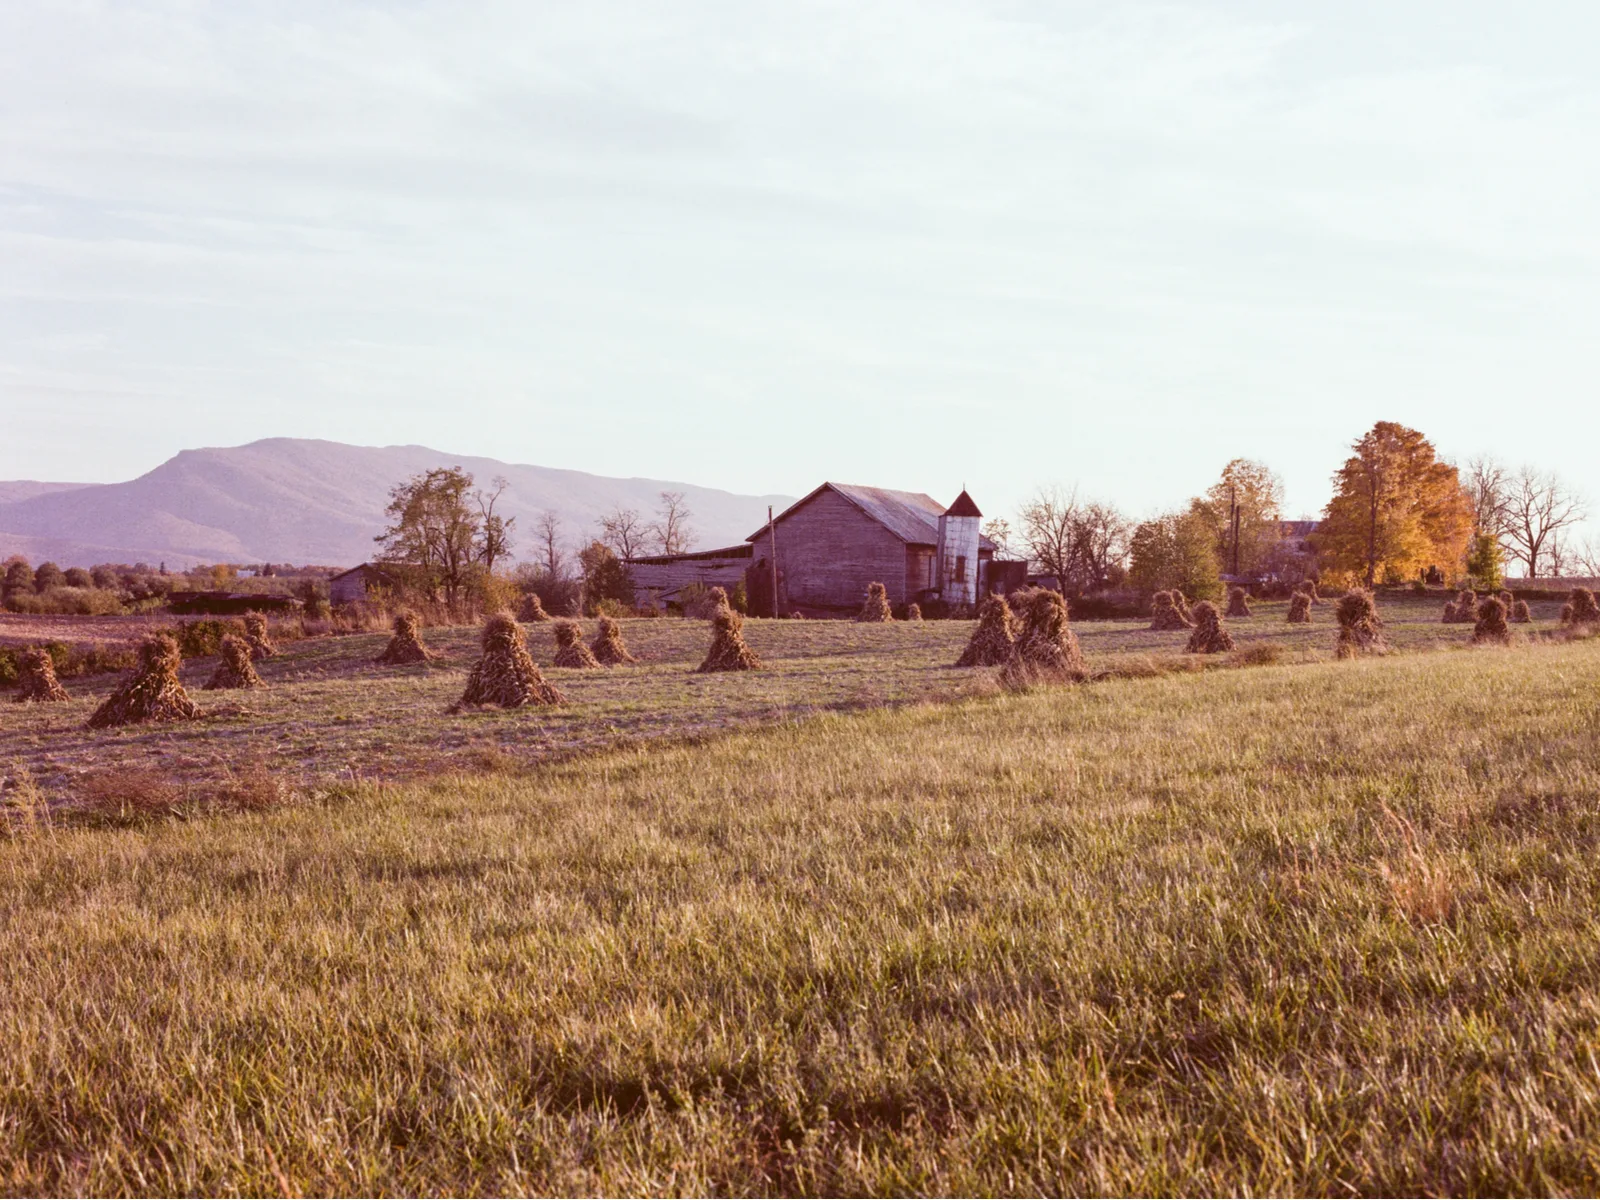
[{"x": 772, "y": 537}]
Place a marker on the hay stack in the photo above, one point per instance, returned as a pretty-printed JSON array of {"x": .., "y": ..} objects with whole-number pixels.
[
  {"x": 876, "y": 607},
  {"x": 506, "y": 675},
  {"x": 1300, "y": 608},
  {"x": 1464, "y": 611},
  {"x": 1580, "y": 608},
  {"x": 255, "y": 636},
  {"x": 994, "y": 640},
  {"x": 1047, "y": 646},
  {"x": 570, "y": 650},
  {"x": 1209, "y": 636},
  {"x": 36, "y": 679},
  {"x": 152, "y": 692},
  {"x": 1166, "y": 613},
  {"x": 913, "y": 611},
  {"x": 406, "y": 647},
  {"x": 236, "y": 668},
  {"x": 1238, "y": 602},
  {"x": 728, "y": 650},
  {"x": 1360, "y": 627},
  {"x": 608, "y": 646},
  {"x": 532, "y": 611},
  {"x": 1491, "y": 628},
  {"x": 1521, "y": 614}
]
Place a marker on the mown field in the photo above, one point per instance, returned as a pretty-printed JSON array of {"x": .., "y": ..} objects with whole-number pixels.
[
  {"x": 1313, "y": 927},
  {"x": 329, "y": 716}
]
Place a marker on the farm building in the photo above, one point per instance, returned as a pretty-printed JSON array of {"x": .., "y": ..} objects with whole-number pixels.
[
  {"x": 357, "y": 584},
  {"x": 661, "y": 578},
  {"x": 832, "y": 543}
]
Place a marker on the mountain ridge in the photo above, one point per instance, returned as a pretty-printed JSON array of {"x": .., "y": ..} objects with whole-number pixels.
[{"x": 304, "y": 500}]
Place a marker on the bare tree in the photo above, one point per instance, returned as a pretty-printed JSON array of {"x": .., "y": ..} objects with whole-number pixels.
[
  {"x": 1049, "y": 520},
  {"x": 1488, "y": 483},
  {"x": 1079, "y": 542},
  {"x": 1103, "y": 540},
  {"x": 494, "y": 530},
  {"x": 1586, "y": 558},
  {"x": 999, "y": 532},
  {"x": 548, "y": 530},
  {"x": 671, "y": 529},
  {"x": 624, "y": 530},
  {"x": 1539, "y": 505}
]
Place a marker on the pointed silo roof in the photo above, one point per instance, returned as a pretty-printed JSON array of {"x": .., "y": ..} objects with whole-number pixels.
[{"x": 963, "y": 507}]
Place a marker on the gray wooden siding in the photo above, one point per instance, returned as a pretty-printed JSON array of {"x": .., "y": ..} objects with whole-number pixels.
[{"x": 829, "y": 550}]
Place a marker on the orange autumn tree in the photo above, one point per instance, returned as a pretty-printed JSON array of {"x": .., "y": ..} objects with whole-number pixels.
[{"x": 1397, "y": 510}]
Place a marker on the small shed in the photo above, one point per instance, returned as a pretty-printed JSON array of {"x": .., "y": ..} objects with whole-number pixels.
[
  {"x": 663, "y": 576},
  {"x": 357, "y": 584}
]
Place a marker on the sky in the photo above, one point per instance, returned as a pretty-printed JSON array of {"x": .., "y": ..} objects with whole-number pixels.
[{"x": 923, "y": 244}]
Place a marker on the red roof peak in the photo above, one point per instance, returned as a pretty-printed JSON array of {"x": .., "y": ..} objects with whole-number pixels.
[{"x": 963, "y": 507}]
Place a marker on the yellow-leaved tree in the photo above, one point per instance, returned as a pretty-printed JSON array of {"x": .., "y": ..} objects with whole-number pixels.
[{"x": 1397, "y": 510}]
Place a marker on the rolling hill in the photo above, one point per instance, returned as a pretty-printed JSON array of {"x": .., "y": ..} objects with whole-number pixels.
[{"x": 302, "y": 501}]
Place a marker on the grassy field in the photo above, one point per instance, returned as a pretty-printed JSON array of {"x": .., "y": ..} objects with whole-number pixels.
[
  {"x": 330, "y": 717},
  {"x": 1316, "y": 927}
]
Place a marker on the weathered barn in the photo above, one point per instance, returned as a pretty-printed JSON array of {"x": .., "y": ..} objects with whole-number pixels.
[
  {"x": 357, "y": 584},
  {"x": 832, "y": 543},
  {"x": 660, "y": 578}
]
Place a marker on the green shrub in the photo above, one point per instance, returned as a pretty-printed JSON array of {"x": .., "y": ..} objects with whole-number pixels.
[
  {"x": 66, "y": 601},
  {"x": 202, "y": 638}
]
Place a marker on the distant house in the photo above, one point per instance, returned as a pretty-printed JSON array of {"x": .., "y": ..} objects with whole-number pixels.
[
  {"x": 357, "y": 584},
  {"x": 1295, "y": 556},
  {"x": 835, "y": 541},
  {"x": 662, "y": 577}
]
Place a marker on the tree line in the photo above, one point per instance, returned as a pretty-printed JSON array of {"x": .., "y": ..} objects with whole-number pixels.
[
  {"x": 449, "y": 540},
  {"x": 1399, "y": 514}
]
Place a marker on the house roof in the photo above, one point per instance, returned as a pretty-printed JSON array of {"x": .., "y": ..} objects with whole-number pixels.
[
  {"x": 742, "y": 550},
  {"x": 913, "y": 517},
  {"x": 366, "y": 566}
]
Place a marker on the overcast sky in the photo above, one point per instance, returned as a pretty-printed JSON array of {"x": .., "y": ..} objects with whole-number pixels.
[{"x": 755, "y": 245}]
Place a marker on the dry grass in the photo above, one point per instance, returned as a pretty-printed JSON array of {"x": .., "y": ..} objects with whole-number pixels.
[
  {"x": 1168, "y": 612},
  {"x": 405, "y": 647},
  {"x": 876, "y": 606},
  {"x": 1282, "y": 931},
  {"x": 1209, "y": 636},
  {"x": 328, "y": 715},
  {"x": 608, "y": 647},
  {"x": 153, "y": 692},
  {"x": 36, "y": 679},
  {"x": 506, "y": 675},
  {"x": 571, "y": 652},
  {"x": 1361, "y": 629},
  {"x": 235, "y": 666}
]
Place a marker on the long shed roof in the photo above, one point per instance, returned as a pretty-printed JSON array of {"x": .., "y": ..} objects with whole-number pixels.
[{"x": 913, "y": 517}]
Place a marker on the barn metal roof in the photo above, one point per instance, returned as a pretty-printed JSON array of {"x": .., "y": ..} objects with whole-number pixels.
[{"x": 913, "y": 517}]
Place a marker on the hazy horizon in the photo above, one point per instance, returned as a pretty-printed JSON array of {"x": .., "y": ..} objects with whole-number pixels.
[{"x": 758, "y": 246}]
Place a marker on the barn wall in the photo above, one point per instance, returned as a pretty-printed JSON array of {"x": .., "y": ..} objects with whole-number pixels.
[
  {"x": 829, "y": 550},
  {"x": 350, "y": 589},
  {"x": 920, "y": 573}
]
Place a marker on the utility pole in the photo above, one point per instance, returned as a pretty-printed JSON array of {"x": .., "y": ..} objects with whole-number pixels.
[
  {"x": 772, "y": 538},
  {"x": 1233, "y": 506}
]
